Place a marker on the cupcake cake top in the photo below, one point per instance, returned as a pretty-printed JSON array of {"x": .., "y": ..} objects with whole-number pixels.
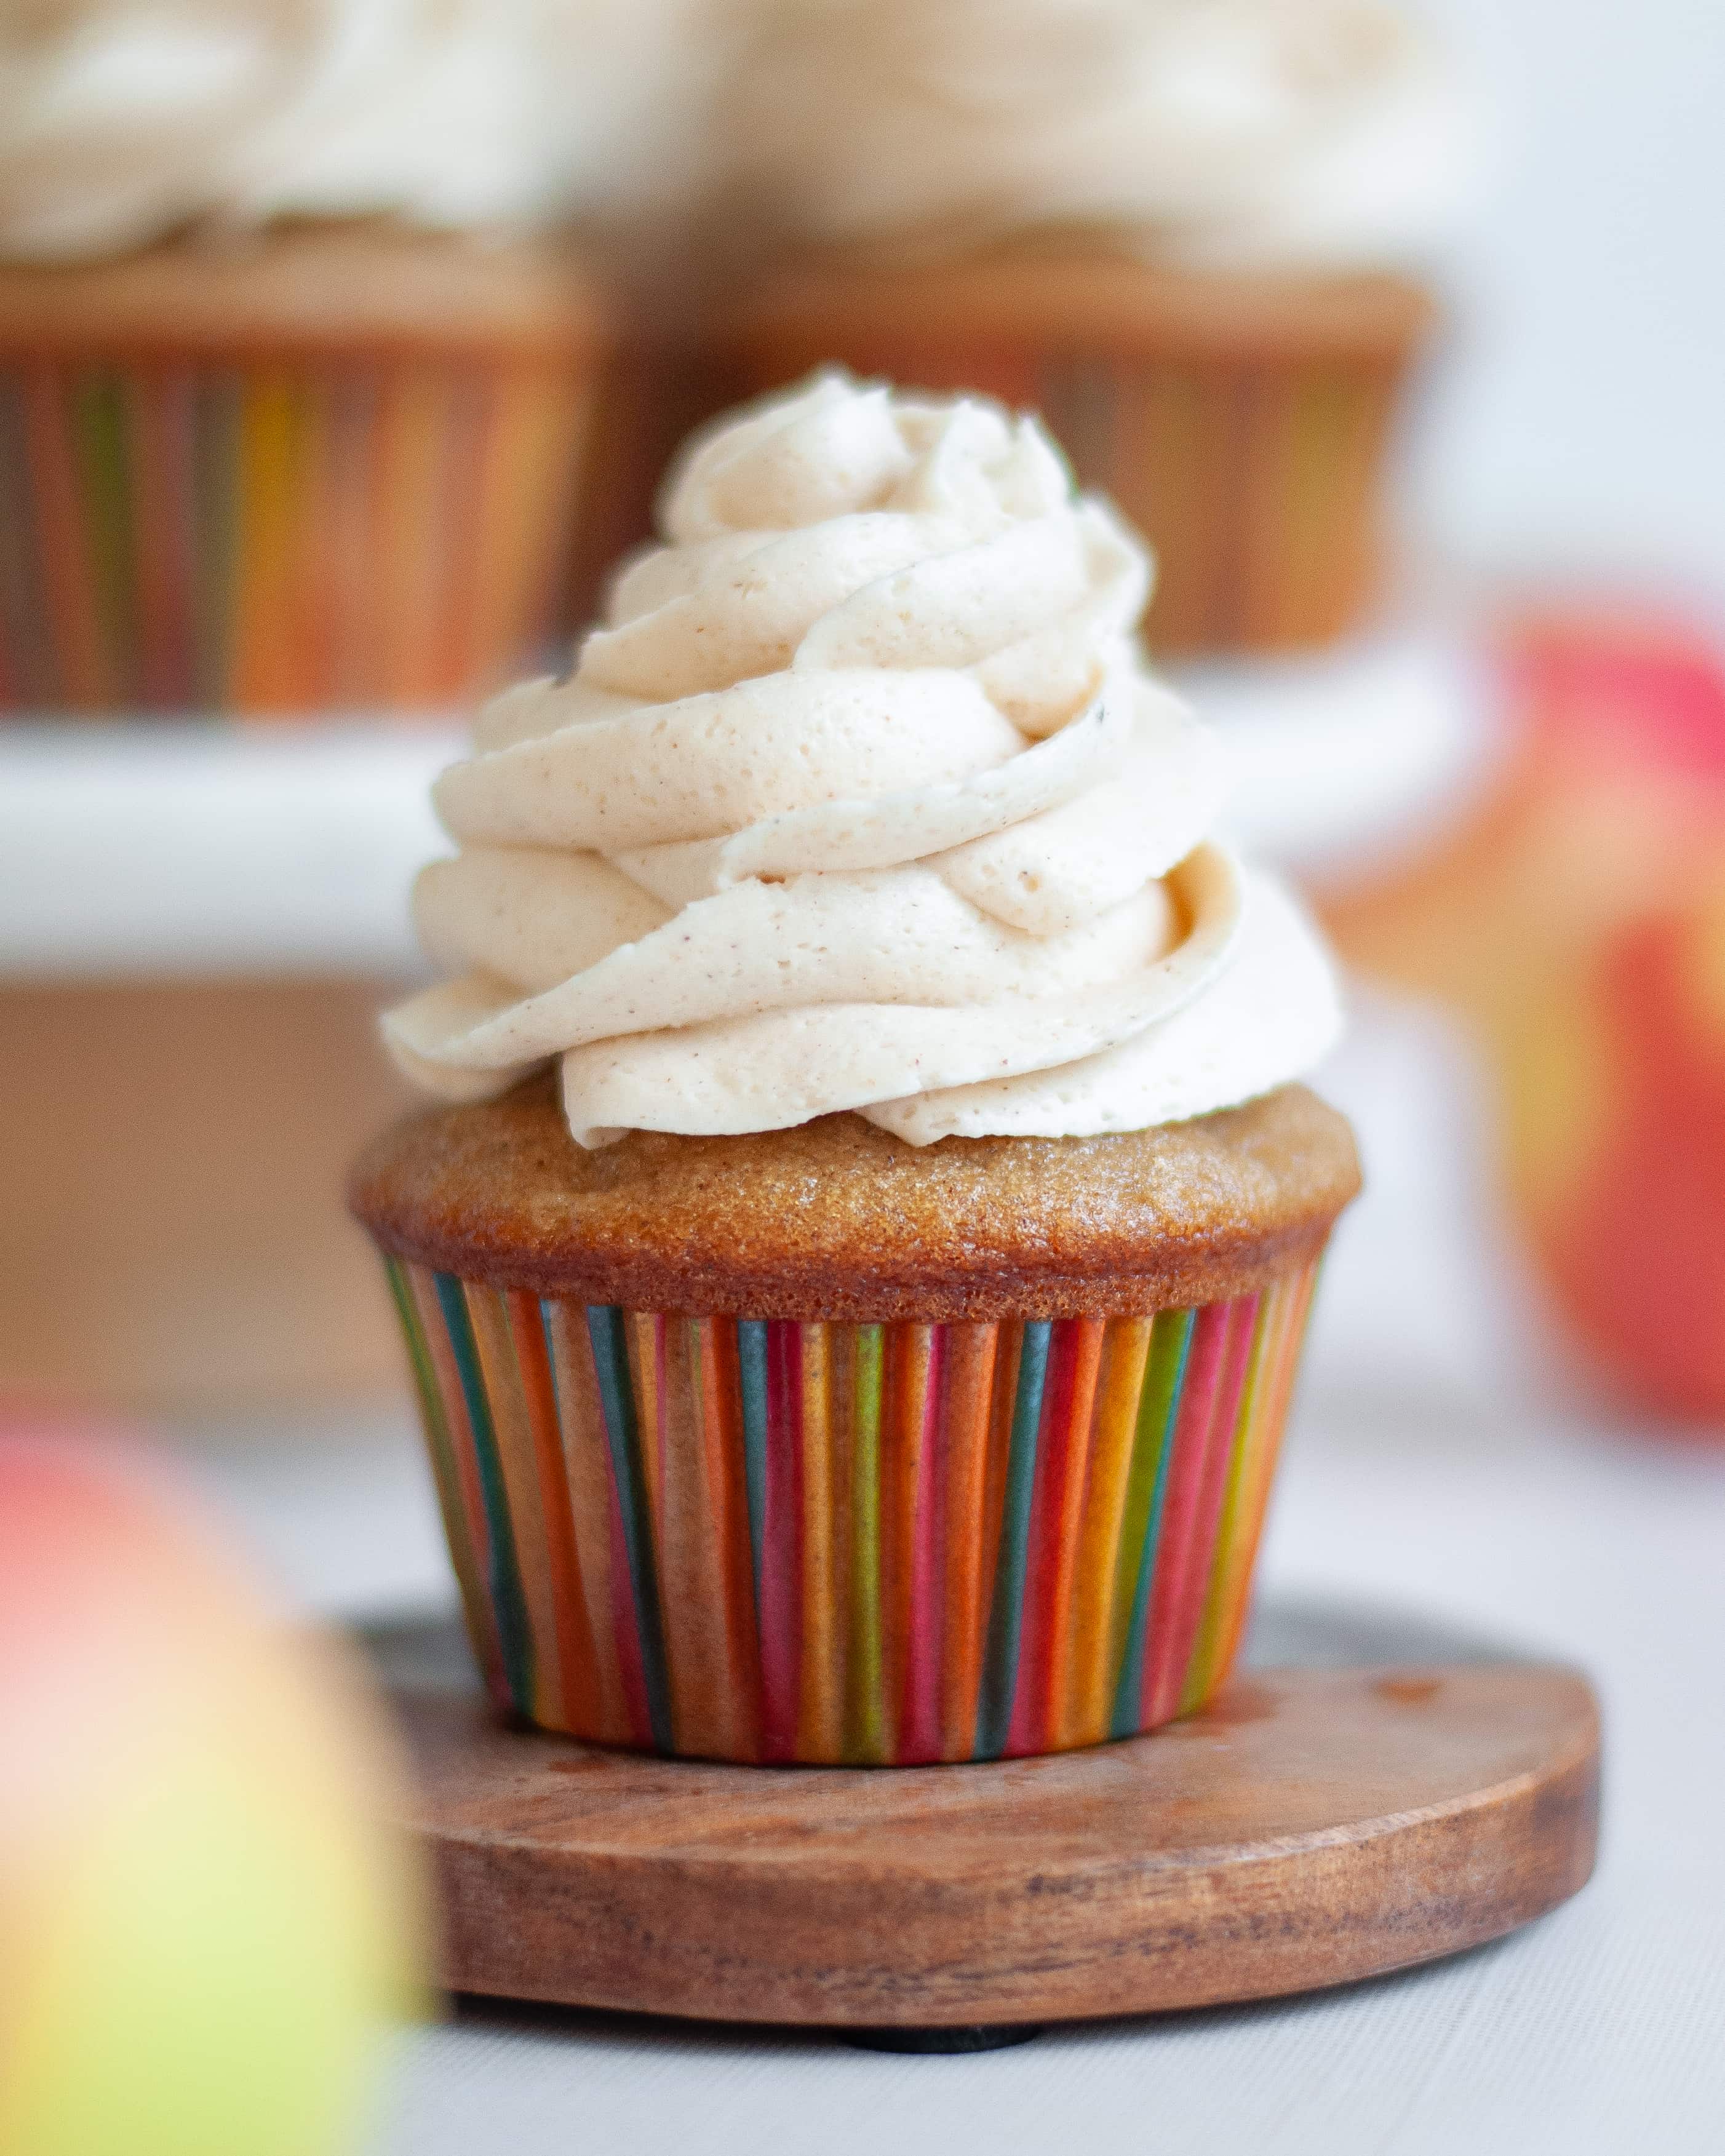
[
  {"x": 860, "y": 798},
  {"x": 120, "y": 125},
  {"x": 1249, "y": 132}
]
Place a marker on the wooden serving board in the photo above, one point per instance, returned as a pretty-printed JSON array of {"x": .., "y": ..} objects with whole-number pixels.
[{"x": 1313, "y": 1825}]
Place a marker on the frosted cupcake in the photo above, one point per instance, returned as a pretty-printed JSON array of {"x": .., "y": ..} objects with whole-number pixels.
[
  {"x": 294, "y": 379},
  {"x": 1196, "y": 233},
  {"x": 856, "y": 1285}
]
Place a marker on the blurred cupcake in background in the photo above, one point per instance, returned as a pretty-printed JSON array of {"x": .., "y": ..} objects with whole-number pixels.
[
  {"x": 296, "y": 358},
  {"x": 1193, "y": 232},
  {"x": 648, "y": 82}
]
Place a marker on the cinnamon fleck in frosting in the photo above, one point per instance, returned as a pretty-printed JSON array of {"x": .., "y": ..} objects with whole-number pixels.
[{"x": 862, "y": 798}]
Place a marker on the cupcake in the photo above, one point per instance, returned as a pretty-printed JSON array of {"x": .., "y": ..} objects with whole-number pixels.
[
  {"x": 648, "y": 178},
  {"x": 856, "y": 1272},
  {"x": 1193, "y": 233},
  {"x": 295, "y": 371}
]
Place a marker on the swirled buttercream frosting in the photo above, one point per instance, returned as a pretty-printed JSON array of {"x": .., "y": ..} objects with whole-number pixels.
[
  {"x": 861, "y": 798},
  {"x": 120, "y": 123},
  {"x": 1251, "y": 131}
]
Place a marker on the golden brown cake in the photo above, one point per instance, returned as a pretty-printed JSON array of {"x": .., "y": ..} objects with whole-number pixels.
[{"x": 835, "y": 1219}]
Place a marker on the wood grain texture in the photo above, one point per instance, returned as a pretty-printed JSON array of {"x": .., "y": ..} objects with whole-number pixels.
[{"x": 1310, "y": 1828}]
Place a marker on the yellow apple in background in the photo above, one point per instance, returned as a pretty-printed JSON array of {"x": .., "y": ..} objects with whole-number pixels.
[
  {"x": 205, "y": 1939},
  {"x": 1576, "y": 920}
]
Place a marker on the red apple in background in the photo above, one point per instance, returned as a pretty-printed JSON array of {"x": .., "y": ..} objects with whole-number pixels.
[{"x": 1576, "y": 921}]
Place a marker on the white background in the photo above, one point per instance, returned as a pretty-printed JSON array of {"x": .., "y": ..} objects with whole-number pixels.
[{"x": 1580, "y": 419}]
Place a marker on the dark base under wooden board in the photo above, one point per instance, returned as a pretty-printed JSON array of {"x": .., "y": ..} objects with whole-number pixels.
[{"x": 1311, "y": 1827}]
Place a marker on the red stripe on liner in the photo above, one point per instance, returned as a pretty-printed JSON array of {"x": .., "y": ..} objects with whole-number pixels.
[
  {"x": 1062, "y": 1449},
  {"x": 582, "y": 1711},
  {"x": 1204, "y": 1365},
  {"x": 782, "y": 1540},
  {"x": 1213, "y": 1491},
  {"x": 727, "y": 1486}
]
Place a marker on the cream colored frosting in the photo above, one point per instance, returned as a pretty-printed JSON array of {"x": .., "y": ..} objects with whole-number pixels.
[
  {"x": 1233, "y": 131},
  {"x": 120, "y": 123},
  {"x": 860, "y": 798}
]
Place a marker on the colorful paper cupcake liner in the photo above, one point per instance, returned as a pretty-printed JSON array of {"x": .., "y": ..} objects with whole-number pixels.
[
  {"x": 1259, "y": 487},
  {"x": 856, "y": 1544},
  {"x": 1257, "y": 481},
  {"x": 306, "y": 535}
]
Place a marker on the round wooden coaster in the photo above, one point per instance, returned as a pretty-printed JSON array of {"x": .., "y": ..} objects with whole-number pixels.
[{"x": 1313, "y": 1826}]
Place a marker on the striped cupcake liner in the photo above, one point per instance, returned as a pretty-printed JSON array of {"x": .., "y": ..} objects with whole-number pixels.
[
  {"x": 1258, "y": 482},
  {"x": 850, "y": 1544},
  {"x": 1259, "y": 487},
  {"x": 297, "y": 536}
]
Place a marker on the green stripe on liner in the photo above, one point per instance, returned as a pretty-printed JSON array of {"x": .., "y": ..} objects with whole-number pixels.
[
  {"x": 445, "y": 1475},
  {"x": 104, "y": 475},
  {"x": 514, "y": 1636},
  {"x": 431, "y": 1405},
  {"x": 610, "y": 1357},
  {"x": 1006, "y": 1611},
  {"x": 864, "y": 1706},
  {"x": 1146, "y": 1487},
  {"x": 751, "y": 1377}
]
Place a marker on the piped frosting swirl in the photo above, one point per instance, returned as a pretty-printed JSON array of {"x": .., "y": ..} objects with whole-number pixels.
[
  {"x": 1253, "y": 132},
  {"x": 120, "y": 124},
  {"x": 861, "y": 798}
]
